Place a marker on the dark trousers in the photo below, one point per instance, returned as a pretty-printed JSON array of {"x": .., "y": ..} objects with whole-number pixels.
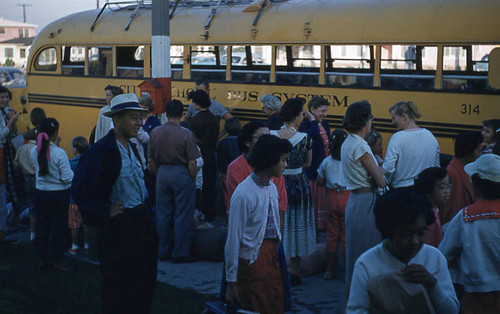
[
  {"x": 208, "y": 192},
  {"x": 150, "y": 181},
  {"x": 51, "y": 212},
  {"x": 128, "y": 261},
  {"x": 176, "y": 193}
]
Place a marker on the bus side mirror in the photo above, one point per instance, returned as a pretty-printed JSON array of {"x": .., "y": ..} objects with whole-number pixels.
[{"x": 494, "y": 68}]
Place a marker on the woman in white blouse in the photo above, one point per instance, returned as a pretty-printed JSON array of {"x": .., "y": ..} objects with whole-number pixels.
[
  {"x": 361, "y": 174},
  {"x": 411, "y": 150},
  {"x": 51, "y": 200}
]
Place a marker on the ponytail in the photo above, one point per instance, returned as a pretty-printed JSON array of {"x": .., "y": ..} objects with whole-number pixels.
[
  {"x": 43, "y": 153},
  {"x": 48, "y": 127}
]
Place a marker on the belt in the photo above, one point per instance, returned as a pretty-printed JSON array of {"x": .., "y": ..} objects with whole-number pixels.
[
  {"x": 338, "y": 188},
  {"x": 341, "y": 189},
  {"x": 362, "y": 190},
  {"x": 292, "y": 171}
]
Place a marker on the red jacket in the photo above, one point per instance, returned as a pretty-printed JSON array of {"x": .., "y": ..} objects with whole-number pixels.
[{"x": 461, "y": 194}]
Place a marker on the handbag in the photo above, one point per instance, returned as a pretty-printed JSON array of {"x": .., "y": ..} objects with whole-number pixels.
[{"x": 389, "y": 293}]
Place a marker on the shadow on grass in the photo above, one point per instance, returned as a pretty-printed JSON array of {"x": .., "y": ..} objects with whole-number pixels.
[{"x": 26, "y": 289}]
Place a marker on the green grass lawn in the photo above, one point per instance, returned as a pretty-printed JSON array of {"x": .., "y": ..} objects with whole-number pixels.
[{"x": 26, "y": 289}]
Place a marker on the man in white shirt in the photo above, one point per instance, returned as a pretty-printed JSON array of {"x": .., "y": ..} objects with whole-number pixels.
[{"x": 252, "y": 273}]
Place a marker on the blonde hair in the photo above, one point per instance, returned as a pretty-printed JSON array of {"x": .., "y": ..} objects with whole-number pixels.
[{"x": 407, "y": 107}]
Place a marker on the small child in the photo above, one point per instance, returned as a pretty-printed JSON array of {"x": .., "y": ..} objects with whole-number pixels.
[
  {"x": 491, "y": 135},
  {"x": 79, "y": 145},
  {"x": 23, "y": 161},
  {"x": 374, "y": 140},
  {"x": 330, "y": 173}
]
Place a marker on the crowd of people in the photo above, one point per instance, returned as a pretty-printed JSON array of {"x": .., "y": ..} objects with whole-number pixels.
[{"x": 408, "y": 223}]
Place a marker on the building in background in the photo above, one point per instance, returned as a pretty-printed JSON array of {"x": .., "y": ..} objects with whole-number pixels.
[
  {"x": 15, "y": 41},
  {"x": 17, "y": 50},
  {"x": 13, "y": 29}
]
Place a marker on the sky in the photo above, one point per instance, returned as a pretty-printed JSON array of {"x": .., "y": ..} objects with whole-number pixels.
[{"x": 43, "y": 12}]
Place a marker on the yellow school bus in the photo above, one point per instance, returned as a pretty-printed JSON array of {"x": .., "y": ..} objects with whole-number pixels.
[{"x": 435, "y": 53}]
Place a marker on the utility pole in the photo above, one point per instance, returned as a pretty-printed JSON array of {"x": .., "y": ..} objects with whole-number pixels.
[
  {"x": 24, "y": 5},
  {"x": 160, "y": 29},
  {"x": 97, "y": 4}
]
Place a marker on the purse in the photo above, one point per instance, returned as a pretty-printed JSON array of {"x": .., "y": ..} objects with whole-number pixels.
[{"x": 389, "y": 293}]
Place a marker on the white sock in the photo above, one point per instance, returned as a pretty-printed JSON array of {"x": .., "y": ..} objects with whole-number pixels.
[
  {"x": 32, "y": 236},
  {"x": 75, "y": 246},
  {"x": 86, "y": 245}
]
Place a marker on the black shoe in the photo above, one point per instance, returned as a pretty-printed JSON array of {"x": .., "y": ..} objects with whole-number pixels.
[
  {"x": 185, "y": 259},
  {"x": 163, "y": 258},
  {"x": 295, "y": 280},
  {"x": 8, "y": 241}
]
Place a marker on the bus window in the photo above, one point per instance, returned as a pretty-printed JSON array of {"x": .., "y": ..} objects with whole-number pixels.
[
  {"x": 454, "y": 58},
  {"x": 130, "y": 61},
  {"x": 100, "y": 61},
  {"x": 465, "y": 68},
  {"x": 408, "y": 67},
  {"x": 205, "y": 63},
  {"x": 176, "y": 61},
  {"x": 73, "y": 60},
  {"x": 480, "y": 57},
  {"x": 46, "y": 60},
  {"x": 250, "y": 64},
  {"x": 298, "y": 65},
  {"x": 349, "y": 65}
]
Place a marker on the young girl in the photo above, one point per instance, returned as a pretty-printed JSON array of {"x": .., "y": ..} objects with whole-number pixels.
[
  {"x": 80, "y": 145},
  {"x": 330, "y": 172},
  {"x": 51, "y": 200},
  {"x": 491, "y": 135},
  {"x": 253, "y": 277},
  {"x": 374, "y": 140},
  {"x": 433, "y": 184}
]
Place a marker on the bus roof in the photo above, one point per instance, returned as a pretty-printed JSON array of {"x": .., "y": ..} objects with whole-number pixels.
[{"x": 293, "y": 22}]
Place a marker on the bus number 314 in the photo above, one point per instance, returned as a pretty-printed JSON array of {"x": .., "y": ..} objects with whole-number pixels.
[{"x": 470, "y": 109}]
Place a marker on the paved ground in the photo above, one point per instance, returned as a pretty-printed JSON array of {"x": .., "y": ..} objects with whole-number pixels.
[{"x": 315, "y": 295}]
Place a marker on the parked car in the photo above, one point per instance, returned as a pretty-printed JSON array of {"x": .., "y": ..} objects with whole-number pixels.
[
  {"x": 240, "y": 59},
  {"x": 11, "y": 77},
  {"x": 483, "y": 64}
]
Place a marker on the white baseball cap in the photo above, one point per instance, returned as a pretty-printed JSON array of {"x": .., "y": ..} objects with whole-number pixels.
[{"x": 487, "y": 167}]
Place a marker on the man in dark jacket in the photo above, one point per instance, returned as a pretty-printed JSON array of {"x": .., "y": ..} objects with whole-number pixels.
[{"x": 109, "y": 189}]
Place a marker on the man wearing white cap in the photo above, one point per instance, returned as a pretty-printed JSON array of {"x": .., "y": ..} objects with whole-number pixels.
[
  {"x": 471, "y": 241},
  {"x": 109, "y": 189}
]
